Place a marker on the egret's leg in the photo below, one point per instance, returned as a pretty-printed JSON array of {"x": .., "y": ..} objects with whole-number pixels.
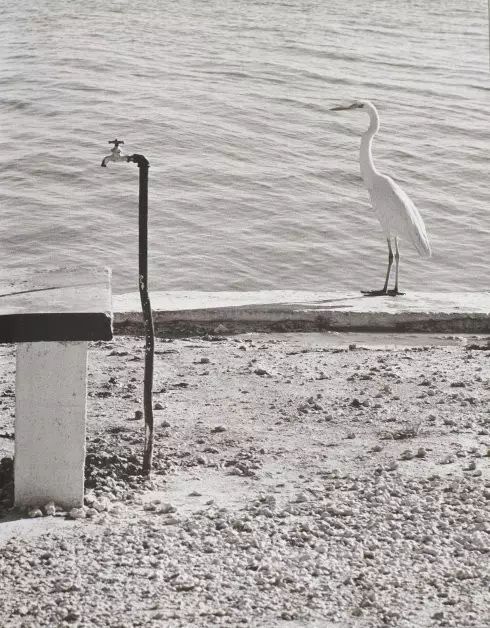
[
  {"x": 390, "y": 263},
  {"x": 394, "y": 292},
  {"x": 376, "y": 293}
]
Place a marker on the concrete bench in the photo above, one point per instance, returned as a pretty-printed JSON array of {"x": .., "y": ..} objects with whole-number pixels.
[{"x": 51, "y": 316}]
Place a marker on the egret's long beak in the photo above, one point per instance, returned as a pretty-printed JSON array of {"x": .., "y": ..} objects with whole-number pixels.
[{"x": 344, "y": 107}]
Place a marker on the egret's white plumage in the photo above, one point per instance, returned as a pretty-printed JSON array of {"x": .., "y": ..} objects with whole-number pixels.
[{"x": 399, "y": 217}]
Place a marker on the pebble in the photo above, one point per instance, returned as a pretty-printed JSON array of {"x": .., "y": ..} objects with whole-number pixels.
[
  {"x": 50, "y": 509},
  {"x": 407, "y": 454},
  {"x": 77, "y": 513},
  {"x": 158, "y": 406},
  {"x": 449, "y": 459},
  {"x": 167, "y": 508},
  {"x": 217, "y": 429},
  {"x": 100, "y": 504},
  {"x": 421, "y": 452}
]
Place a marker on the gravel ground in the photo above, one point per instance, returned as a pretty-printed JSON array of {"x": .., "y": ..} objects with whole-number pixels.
[{"x": 313, "y": 480}]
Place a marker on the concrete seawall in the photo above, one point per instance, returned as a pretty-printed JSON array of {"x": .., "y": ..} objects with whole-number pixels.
[{"x": 189, "y": 313}]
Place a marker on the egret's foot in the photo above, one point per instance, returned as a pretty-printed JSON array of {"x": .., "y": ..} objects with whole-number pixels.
[
  {"x": 395, "y": 293},
  {"x": 374, "y": 293}
]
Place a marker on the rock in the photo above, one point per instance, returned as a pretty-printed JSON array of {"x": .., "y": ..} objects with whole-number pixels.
[
  {"x": 89, "y": 499},
  {"x": 217, "y": 429},
  {"x": 50, "y": 509},
  {"x": 407, "y": 454},
  {"x": 265, "y": 512},
  {"x": 167, "y": 508},
  {"x": 101, "y": 504},
  {"x": 116, "y": 510},
  {"x": 138, "y": 415},
  {"x": 182, "y": 583},
  {"x": 72, "y": 616},
  {"x": 34, "y": 512},
  {"x": 77, "y": 513},
  {"x": 261, "y": 371},
  {"x": 421, "y": 452},
  {"x": 449, "y": 459},
  {"x": 158, "y": 406}
]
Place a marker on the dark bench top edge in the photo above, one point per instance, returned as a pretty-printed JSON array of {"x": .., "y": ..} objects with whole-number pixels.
[{"x": 55, "y": 327}]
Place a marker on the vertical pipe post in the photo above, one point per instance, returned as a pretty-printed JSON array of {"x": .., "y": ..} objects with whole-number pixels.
[{"x": 143, "y": 166}]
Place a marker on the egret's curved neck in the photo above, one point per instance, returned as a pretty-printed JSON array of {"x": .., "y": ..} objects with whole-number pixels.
[{"x": 368, "y": 171}]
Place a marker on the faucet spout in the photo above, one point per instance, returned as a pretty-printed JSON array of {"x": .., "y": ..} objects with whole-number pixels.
[{"x": 115, "y": 155}]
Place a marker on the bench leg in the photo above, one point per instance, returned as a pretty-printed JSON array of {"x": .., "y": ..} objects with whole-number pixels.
[{"x": 51, "y": 399}]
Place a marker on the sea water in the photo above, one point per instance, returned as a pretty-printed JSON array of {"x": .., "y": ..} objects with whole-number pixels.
[{"x": 254, "y": 183}]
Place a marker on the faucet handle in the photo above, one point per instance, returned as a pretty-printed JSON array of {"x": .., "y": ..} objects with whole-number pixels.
[{"x": 116, "y": 142}]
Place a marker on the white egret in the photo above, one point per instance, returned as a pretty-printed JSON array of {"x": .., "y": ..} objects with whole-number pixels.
[{"x": 397, "y": 214}]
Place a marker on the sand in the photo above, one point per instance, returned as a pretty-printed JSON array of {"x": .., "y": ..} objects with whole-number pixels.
[{"x": 299, "y": 479}]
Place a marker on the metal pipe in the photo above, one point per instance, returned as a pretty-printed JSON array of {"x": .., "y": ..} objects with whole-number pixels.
[{"x": 143, "y": 165}]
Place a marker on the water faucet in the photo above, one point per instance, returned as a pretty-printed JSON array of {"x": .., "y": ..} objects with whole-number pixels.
[{"x": 116, "y": 154}]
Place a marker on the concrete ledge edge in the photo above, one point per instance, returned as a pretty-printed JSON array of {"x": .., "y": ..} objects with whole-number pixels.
[{"x": 197, "y": 313}]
